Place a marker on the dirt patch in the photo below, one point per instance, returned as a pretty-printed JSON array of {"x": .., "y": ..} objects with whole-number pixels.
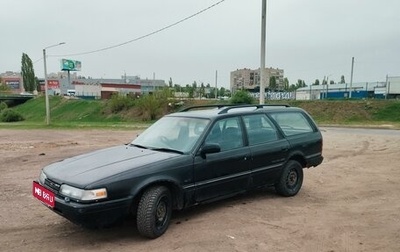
[{"x": 349, "y": 203}]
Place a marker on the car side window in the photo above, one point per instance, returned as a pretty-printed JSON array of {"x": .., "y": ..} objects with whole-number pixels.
[
  {"x": 292, "y": 123},
  {"x": 259, "y": 129},
  {"x": 227, "y": 133}
]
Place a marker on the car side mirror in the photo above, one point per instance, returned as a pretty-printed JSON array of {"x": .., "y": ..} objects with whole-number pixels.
[{"x": 209, "y": 148}]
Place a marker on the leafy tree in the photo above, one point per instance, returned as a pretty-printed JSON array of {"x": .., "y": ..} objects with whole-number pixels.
[
  {"x": 316, "y": 82},
  {"x": 189, "y": 90},
  {"x": 221, "y": 91},
  {"x": 332, "y": 82},
  {"x": 300, "y": 83},
  {"x": 170, "y": 82},
  {"x": 286, "y": 84},
  {"x": 194, "y": 85},
  {"x": 342, "y": 81},
  {"x": 202, "y": 89},
  {"x": 38, "y": 88},
  {"x": 28, "y": 74},
  {"x": 177, "y": 88},
  {"x": 4, "y": 87},
  {"x": 272, "y": 83},
  {"x": 292, "y": 87}
]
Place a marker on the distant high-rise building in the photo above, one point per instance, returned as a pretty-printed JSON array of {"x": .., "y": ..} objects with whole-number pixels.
[{"x": 249, "y": 79}]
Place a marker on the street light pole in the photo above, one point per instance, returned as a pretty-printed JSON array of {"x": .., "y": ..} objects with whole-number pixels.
[
  {"x": 46, "y": 84},
  {"x": 263, "y": 35},
  {"x": 351, "y": 77}
]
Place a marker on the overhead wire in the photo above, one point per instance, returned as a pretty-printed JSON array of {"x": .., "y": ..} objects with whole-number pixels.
[{"x": 143, "y": 36}]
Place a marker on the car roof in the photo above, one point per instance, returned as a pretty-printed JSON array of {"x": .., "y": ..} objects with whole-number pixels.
[{"x": 215, "y": 111}]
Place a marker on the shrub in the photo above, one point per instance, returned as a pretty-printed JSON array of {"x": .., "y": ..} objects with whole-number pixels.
[
  {"x": 118, "y": 103},
  {"x": 3, "y": 106},
  {"x": 149, "y": 107},
  {"x": 9, "y": 115},
  {"x": 152, "y": 106},
  {"x": 242, "y": 97}
]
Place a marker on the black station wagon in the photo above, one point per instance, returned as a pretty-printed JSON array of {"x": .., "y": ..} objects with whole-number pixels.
[{"x": 198, "y": 155}]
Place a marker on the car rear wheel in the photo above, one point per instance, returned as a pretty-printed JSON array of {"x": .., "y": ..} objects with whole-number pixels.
[
  {"x": 154, "y": 212},
  {"x": 290, "y": 182}
]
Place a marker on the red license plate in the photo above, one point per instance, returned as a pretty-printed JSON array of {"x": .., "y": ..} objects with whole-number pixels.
[{"x": 44, "y": 195}]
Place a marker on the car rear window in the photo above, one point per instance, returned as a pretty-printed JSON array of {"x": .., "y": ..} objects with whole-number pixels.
[
  {"x": 292, "y": 123},
  {"x": 259, "y": 129}
]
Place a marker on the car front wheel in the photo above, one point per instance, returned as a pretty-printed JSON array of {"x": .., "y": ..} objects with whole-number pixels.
[
  {"x": 154, "y": 212},
  {"x": 290, "y": 182}
]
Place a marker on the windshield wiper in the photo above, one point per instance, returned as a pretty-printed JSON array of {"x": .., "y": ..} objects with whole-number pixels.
[
  {"x": 139, "y": 146},
  {"x": 167, "y": 150}
]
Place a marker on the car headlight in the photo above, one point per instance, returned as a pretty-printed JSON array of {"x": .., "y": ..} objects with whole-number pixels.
[
  {"x": 79, "y": 194},
  {"x": 42, "y": 177}
]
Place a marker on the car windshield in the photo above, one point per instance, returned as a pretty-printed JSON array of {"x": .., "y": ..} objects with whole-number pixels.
[{"x": 172, "y": 133}]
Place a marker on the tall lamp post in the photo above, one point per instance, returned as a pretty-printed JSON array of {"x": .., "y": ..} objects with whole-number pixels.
[
  {"x": 263, "y": 44},
  {"x": 45, "y": 82}
]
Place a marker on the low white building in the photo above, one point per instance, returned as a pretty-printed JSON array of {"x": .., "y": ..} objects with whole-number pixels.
[{"x": 341, "y": 91}]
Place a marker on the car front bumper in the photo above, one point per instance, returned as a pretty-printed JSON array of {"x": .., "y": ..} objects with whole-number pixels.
[{"x": 97, "y": 214}]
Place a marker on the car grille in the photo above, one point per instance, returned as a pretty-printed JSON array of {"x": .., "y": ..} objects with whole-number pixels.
[{"x": 53, "y": 185}]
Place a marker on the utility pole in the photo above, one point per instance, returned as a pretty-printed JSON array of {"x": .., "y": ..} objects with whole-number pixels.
[
  {"x": 387, "y": 87},
  {"x": 327, "y": 87},
  {"x": 154, "y": 82},
  {"x": 46, "y": 87},
  {"x": 351, "y": 77},
  {"x": 216, "y": 86},
  {"x": 263, "y": 36}
]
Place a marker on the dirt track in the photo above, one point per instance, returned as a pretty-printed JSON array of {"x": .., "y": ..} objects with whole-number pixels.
[{"x": 349, "y": 203}]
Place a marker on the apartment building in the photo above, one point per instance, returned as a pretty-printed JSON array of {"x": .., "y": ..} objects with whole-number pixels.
[{"x": 249, "y": 79}]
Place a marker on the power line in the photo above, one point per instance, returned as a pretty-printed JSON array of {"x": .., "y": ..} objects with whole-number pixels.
[{"x": 144, "y": 36}]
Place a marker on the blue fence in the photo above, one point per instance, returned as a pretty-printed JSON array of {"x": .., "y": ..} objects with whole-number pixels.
[{"x": 346, "y": 94}]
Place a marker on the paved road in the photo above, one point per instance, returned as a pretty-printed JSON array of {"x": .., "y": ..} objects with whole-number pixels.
[{"x": 364, "y": 131}]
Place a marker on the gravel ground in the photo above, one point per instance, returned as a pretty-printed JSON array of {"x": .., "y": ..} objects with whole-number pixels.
[{"x": 349, "y": 203}]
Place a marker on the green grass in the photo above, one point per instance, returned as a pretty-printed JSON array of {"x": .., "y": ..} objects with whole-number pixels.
[
  {"x": 391, "y": 112},
  {"x": 71, "y": 113},
  {"x": 366, "y": 113}
]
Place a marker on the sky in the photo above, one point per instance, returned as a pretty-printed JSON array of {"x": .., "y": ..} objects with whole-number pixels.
[{"x": 308, "y": 39}]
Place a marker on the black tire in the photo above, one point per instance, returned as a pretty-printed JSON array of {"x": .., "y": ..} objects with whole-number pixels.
[
  {"x": 290, "y": 182},
  {"x": 154, "y": 212}
]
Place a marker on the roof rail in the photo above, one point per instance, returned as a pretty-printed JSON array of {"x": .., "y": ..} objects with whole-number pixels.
[
  {"x": 218, "y": 106},
  {"x": 228, "y": 107},
  {"x": 256, "y": 106}
]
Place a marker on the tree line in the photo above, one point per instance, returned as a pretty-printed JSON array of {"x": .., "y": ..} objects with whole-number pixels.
[{"x": 31, "y": 83}]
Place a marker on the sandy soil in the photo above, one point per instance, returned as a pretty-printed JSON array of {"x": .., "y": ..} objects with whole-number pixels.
[{"x": 349, "y": 203}]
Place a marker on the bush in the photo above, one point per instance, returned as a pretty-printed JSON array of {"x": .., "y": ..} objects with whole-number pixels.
[
  {"x": 118, "y": 103},
  {"x": 9, "y": 115},
  {"x": 152, "y": 106},
  {"x": 242, "y": 97},
  {"x": 149, "y": 107},
  {"x": 3, "y": 106}
]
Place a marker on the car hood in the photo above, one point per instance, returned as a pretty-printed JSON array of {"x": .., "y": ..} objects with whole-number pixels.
[{"x": 83, "y": 170}]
